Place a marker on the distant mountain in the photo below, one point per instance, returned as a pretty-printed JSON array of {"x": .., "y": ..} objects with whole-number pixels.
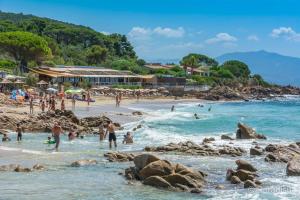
[{"x": 273, "y": 67}]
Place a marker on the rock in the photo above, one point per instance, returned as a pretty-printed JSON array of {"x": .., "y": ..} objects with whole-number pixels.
[
  {"x": 21, "y": 169},
  {"x": 220, "y": 187},
  {"x": 207, "y": 140},
  {"x": 142, "y": 160},
  {"x": 271, "y": 147},
  {"x": 118, "y": 157},
  {"x": 38, "y": 167},
  {"x": 249, "y": 184},
  {"x": 174, "y": 179},
  {"x": 85, "y": 162},
  {"x": 242, "y": 164},
  {"x": 10, "y": 167},
  {"x": 243, "y": 174},
  {"x": 235, "y": 180},
  {"x": 157, "y": 181},
  {"x": 281, "y": 153},
  {"x": 137, "y": 113},
  {"x": 226, "y": 137},
  {"x": 293, "y": 167},
  {"x": 196, "y": 191},
  {"x": 256, "y": 151},
  {"x": 245, "y": 132},
  {"x": 156, "y": 168}
]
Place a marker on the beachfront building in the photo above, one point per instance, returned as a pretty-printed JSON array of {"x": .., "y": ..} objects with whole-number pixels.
[
  {"x": 167, "y": 81},
  {"x": 96, "y": 76},
  {"x": 201, "y": 71}
]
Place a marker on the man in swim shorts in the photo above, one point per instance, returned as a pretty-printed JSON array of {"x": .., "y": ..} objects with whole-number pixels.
[
  {"x": 19, "y": 132},
  {"x": 112, "y": 135},
  {"x": 56, "y": 131}
]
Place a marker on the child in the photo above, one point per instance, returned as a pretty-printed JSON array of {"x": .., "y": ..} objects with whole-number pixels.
[
  {"x": 128, "y": 138},
  {"x": 5, "y": 138}
]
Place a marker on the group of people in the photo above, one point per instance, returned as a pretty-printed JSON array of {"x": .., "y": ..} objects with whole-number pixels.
[
  {"x": 195, "y": 115},
  {"x": 57, "y": 130}
]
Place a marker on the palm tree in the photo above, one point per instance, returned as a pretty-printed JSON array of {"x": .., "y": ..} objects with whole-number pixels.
[{"x": 189, "y": 61}]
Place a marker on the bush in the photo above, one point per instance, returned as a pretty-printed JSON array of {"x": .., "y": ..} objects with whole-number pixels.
[
  {"x": 203, "y": 80},
  {"x": 7, "y": 65}
]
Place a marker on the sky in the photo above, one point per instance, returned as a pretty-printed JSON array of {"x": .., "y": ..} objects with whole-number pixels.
[{"x": 169, "y": 29}]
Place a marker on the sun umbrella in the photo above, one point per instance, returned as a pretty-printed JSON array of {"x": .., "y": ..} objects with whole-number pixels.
[
  {"x": 74, "y": 91},
  {"x": 42, "y": 82},
  {"x": 19, "y": 82},
  {"x": 52, "y": 90},
  {"x": 5, "y": 81}
]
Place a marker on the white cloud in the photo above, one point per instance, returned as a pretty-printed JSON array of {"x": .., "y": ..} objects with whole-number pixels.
[
  {"x": 139, "y": 32},
  {"x": 286, "y": 32},
  {"x": 142, "y": 33},
  {"x": 221, "y": 37},
  {"x": 253, "y": 38},
  {"x": 169, "y": 32}
]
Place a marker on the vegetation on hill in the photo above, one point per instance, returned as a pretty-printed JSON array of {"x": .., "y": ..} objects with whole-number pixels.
[
  {"x": 69, "y": 44},
  {"x": 231, "y": 73}
]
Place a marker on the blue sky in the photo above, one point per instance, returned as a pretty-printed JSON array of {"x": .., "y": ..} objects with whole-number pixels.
[{"x": 169, "y": 29}]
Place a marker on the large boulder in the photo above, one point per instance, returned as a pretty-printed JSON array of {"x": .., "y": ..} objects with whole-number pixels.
[
  {"x": 10, "y": 167},
  {"x": 249, "y": 184},
  {"x": 157, "y": 181},
  {"x": 242, "y": 164},
  {"x": 175, "y": 179},
  {"x": 226, "y": 137},
  {"x": 246, "y": 132},
  {"x": 293, "y": 167},
  {"x": 142, "y": 160},
  {"x": 85, "y": 162},
  {"x": 156, "y": 168},
  {"x": 256, "y": 151}
]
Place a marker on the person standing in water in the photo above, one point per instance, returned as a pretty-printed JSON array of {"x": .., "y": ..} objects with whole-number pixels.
[
  {"x": 209, "y": 109},
  {"x": 101, "y": 132},
  {"x": 173, "y": 108},
  {"x": 62, "y": 104},
  {"x": 112, "y": 135},
  {"x": 73, "y": 102},
  {"x": 31, "y": 105},
  {"x": 117, "y": 100},
  {"x": 19, "y": 132},
  {"x": 56, "y": 131}
]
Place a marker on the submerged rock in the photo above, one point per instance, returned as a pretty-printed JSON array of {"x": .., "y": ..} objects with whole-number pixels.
[
  {"x": 246, "y": 132},
  {"x": 85, "y": 162},
  {"x": 119, "y": 157},
  {"x": 226, "y": 137}
]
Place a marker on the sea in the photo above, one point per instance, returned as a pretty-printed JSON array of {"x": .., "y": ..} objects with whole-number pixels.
[{"x": 278, "y": 119}]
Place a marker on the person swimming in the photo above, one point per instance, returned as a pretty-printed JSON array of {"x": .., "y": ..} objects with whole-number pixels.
[
  {"x": 196, "y": 116},
  {"x": 71, "y": 135},
  {"x": 5, "y": 138},
  {"x": 127, "y": 138},
  {"x": 209, "y": 109}
]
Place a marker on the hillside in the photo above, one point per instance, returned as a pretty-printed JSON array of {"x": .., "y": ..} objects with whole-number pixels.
[
  {"x": 272, "y": 67},
  {"x": 70, "y": 44}
]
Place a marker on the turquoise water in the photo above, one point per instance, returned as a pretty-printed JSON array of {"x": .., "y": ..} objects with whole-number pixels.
[{"x": 278, "y": 120}]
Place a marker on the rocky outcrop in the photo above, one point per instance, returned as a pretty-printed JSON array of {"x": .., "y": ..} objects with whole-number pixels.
[
  {"x": 84, "y": 162},
  {"x": 293, "y": 167},
  {"x": 163, "y": 174},
  {"x": 191, "y": 148},
  {"x": 246, "y": 132},
  {"x": 226, "y": 137},
  {"x": 43, "y": 122},
  {"x": 256, "y": 151},
  {"x": 245, "y": 173},
  {"x": 137, "y": 113},
  {"x": 19, "y": 168},
  {"x": 208, "y": 140},
  {"x": 281, "y": 153},
  {"x": 119, "y": 156}
]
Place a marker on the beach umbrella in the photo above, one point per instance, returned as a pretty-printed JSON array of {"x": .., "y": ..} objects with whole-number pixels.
[
  {"x": 42, "y": 82},
  {"x": 74, "y": 91},
  {"x": 52, "y": 90},
  {"x": 5, "y": 81},
  {"x": 19, "y": 82}
]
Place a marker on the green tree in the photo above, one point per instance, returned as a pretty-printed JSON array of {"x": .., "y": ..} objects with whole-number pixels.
[
  {"x": 31, "y": 79},
  {"x": 96, "y": 55},
  {"x": 24, "y": 47},
  {"x": 189, "y": 61},
  {"x": 237, "y": 68}
]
